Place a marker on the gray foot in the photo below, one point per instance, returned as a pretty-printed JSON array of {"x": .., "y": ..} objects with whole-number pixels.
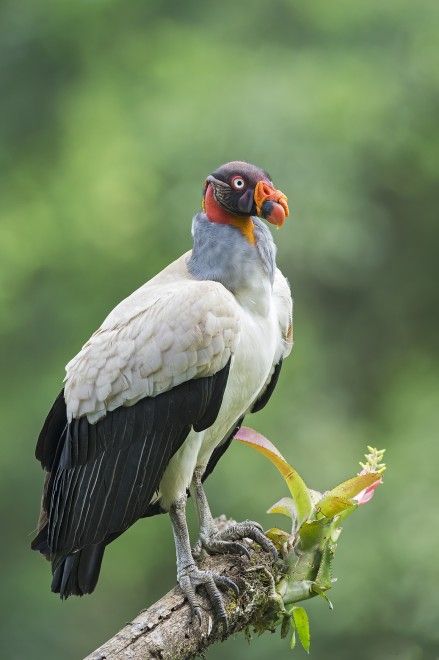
[
  {"x": 228, "y": 540},
  {"x": 191, "y": 577}
]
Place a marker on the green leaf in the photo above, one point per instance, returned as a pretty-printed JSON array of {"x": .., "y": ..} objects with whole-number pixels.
[
  {"x": 323, "y": 594},
  {"x": 277, "y": 536},
  {"x": 323, "y": 578},
  {"x": 313, "y": 533},
  {"x": 352, "y": 487},
  {"x": 286, "y": 507},
  {"x": 301, "y": 623},
  {"x": 331, "y": 505},
  {"x": 340, "y": 498},
  {"x": 295, "y": 483}
]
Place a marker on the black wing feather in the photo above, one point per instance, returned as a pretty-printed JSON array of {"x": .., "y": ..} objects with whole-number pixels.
[
  {"x": 53, "y": 428},
  {"x": 266, "y": 394},
  {"x": 258, "y": 405},
  {"x": 221, "y": 448},
  {"x": 103, "y": 475}
]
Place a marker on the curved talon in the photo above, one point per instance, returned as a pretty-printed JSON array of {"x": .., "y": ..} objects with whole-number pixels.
[
  {"x": 197, "y": 616},
  {"x": 228, "y": 540},
  {"x": 192, "y": 577},
  {"x": 216, "y": 545},
  {"x": 216, "y": 601},
  {"x": 235, "y": 547},
  {"x": 254, "y": 532},
  {"x": 227, "y": 583},
  {"x": 189, "y": 591}
]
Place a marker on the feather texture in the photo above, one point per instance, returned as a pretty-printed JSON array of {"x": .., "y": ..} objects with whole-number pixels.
[
  {"x": 104, "y": 475},
  {"x": 156, "y": 369},
  {"x": 266, "y": 393},
  {"x": 221, "y": 449},
  {"x": 169, "y": 331}
]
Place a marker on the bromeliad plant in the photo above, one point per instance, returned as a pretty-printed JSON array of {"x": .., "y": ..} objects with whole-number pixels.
[{"x": 316, "y": 518}]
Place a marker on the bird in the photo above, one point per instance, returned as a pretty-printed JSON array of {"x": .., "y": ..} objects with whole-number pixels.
[{"x": 154, "y": 398}]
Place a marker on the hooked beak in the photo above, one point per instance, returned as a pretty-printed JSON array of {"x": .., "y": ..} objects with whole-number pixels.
[{"x": 271, "y": 204}]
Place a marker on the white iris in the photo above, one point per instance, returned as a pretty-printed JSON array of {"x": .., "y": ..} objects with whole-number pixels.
[{"x": 238, "y": 183}]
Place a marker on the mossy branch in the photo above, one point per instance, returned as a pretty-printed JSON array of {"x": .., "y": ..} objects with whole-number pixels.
[
  {"x": 269, "y": 590},
  {"x": 164, "y": 631}
]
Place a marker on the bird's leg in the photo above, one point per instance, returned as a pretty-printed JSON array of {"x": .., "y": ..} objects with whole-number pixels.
[
  {"x": 229, "y": 539},
  {"x": 190, "y": 576}
]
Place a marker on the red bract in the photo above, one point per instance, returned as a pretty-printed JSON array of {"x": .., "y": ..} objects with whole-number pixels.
[{"x": 366, "y": 495}]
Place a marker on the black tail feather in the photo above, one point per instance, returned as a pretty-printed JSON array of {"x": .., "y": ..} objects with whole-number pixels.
[{"x": 78, "y": 573}]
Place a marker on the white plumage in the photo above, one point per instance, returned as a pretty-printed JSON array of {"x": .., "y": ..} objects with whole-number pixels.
[
  {"x": 153, "y": 398},
  {"x": 173, "y": 329},
  {"x": 170, "y": 330}
]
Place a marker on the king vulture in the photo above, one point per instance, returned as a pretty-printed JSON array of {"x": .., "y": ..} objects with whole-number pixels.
[{"x": 152, "y": 400}]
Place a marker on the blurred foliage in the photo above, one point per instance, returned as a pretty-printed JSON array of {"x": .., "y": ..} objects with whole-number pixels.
[{"x": 112, "y": 114}]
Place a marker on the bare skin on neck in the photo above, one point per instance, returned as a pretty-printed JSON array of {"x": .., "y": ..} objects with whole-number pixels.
[{"x": 217, "y": 213}]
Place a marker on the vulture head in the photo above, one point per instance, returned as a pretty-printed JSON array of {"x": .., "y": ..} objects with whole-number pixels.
[{"x": 239, "y": 190}]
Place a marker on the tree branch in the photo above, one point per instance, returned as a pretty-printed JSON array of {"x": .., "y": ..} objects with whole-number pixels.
[
  {"x": 269, "y": 589},
  {"x": 164, "y": 631}
]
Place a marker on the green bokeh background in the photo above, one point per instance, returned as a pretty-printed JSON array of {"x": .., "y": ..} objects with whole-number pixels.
[{"x": 111, "y": 115}]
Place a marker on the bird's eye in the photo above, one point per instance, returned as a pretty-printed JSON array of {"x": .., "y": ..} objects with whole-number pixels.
[{"x": 238, "y": 183}]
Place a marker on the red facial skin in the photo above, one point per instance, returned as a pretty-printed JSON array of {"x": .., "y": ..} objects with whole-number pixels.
[
  {"x": 276, "y": 209},
  {"x": 216, "y": 213}
]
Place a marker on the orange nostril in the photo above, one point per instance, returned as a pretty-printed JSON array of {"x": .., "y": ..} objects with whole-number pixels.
[{"x": 265, "y": 192}]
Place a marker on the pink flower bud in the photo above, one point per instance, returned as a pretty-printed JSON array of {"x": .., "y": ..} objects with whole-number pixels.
[{"x": 366, "y": 495}]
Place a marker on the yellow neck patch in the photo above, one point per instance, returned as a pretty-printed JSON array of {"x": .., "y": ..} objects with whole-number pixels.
[
  {"x": 246, "y": 227},
  {"x": 216, "y": 213}
]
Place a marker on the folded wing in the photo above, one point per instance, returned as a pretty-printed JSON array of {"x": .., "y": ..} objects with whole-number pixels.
[{"x": 155, "y": 369}]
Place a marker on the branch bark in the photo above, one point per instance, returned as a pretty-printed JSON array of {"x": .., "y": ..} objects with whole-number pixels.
[{"x": 164, "y": 631}]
